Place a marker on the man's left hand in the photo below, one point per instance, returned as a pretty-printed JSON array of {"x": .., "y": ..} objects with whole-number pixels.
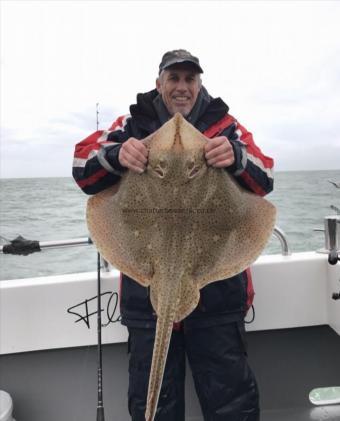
[{"x": 219, "y": 153}]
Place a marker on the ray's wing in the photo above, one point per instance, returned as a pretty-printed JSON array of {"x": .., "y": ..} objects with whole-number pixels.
[
  {"x": 120, "y": 229},
  {"x": 234, "y": 234}
]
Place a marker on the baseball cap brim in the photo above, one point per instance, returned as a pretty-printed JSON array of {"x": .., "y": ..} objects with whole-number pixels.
[{"x": 184, "y": 60}]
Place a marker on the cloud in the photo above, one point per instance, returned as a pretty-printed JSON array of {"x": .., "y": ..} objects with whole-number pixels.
[
  {"x": 276, "y": 65},
  {"x": 47, "y": 150}
]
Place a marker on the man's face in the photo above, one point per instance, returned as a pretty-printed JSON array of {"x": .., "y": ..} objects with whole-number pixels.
[{"x": 179, "y": 87}]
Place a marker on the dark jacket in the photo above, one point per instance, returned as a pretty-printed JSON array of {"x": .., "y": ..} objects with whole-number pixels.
[{"x": 96, "y": 167}]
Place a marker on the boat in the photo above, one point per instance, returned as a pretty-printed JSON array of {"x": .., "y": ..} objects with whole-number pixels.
[{"x": 48, "y": 337}]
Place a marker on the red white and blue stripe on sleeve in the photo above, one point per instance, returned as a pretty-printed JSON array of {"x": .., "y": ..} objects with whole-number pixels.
[
  {"x": 91, "y": 171},
  {"x": 257, "y": 174}
]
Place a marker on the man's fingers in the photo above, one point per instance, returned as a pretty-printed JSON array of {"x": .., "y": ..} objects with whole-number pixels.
[
  {"x": 223, "y": 163},
  {"x": 219, "y": 152},
  {"x": 133, "y": 155},
  {"x": 130, "y": 162},
  {"x": 140, "y": 147},
  {"x": 215, "y": 142},
  {"x": 223, "y": 148},
  {"x": 137, "y": 155},
  {"x": 228, "y": 159},
  {"x": 135, "y": 168},
  {"x": 136, "y": 150}
]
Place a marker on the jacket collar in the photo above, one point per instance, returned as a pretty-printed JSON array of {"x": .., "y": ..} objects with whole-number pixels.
[{"x": 150, "y": 112}]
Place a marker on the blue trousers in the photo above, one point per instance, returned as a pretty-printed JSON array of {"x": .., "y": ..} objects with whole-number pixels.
[{"x": 225, "y": 385}]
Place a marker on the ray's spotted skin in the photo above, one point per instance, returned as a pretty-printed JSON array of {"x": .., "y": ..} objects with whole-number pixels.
[{"x": 177, "y": 227}]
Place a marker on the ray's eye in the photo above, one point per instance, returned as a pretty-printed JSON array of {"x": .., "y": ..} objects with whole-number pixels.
[
  {"x": 192, "y": 169},
  {"x": 159, "y": 169},
  {"x": 191, "y": 165}
]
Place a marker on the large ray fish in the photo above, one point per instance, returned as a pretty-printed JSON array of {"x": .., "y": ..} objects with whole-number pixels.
[{"x": 177, "y": 227}]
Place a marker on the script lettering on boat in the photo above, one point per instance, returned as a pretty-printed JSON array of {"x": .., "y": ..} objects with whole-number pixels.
[{"x": 87, "y": 308}]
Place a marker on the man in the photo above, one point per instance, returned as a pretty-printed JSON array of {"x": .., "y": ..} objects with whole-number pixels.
[{"x": 213, "y": 335}]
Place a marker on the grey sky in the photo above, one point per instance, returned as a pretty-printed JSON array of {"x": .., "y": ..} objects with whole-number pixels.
[{"x": 275, "y": 63}]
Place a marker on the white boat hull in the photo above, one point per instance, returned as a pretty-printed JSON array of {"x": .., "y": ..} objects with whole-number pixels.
[{"x": 60, "y": 311}]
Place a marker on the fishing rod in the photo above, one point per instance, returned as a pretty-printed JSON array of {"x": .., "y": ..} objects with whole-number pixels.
[
  {"x": 97, "y": 115},
  {"x": 100, "y": 405}
]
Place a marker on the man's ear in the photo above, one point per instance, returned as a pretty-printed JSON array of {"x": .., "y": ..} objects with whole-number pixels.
[{"x": 158, "y": 85}]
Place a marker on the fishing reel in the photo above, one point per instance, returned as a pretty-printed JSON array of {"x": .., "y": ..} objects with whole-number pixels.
[
  {"x": 333, "y": 259},
  {"x": 332, "y": 238}
]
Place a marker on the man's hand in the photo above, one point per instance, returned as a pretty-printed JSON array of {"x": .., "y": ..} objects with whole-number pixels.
[
  {"x": 219, "y": 153},
  {"x": 133, "y": 154}
]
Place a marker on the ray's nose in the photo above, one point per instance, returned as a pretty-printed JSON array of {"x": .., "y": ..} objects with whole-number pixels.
[{"x": 178, "y": 145}]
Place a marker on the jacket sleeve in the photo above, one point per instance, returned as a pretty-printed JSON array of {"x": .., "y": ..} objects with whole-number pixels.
[
  {"x": 252, "y": 169},
  {"x": 95, "y": 163}
]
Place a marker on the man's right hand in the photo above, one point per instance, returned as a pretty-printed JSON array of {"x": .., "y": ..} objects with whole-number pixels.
[{"x": 133, "y": 155}]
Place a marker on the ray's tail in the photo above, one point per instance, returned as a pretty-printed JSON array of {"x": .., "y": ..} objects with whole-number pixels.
[{"x": 160, "y": 352}]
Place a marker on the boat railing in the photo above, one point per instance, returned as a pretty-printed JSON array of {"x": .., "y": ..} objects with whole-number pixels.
[
  {"x": 278, "y": 233},
  {"x": 84, "y": 241}
]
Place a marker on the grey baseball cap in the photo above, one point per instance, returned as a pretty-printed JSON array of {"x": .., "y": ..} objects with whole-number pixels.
[{"x": 179, "y": 56}]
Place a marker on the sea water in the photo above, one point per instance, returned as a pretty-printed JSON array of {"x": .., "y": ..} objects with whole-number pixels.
[{"x": 49, "y": 209}]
